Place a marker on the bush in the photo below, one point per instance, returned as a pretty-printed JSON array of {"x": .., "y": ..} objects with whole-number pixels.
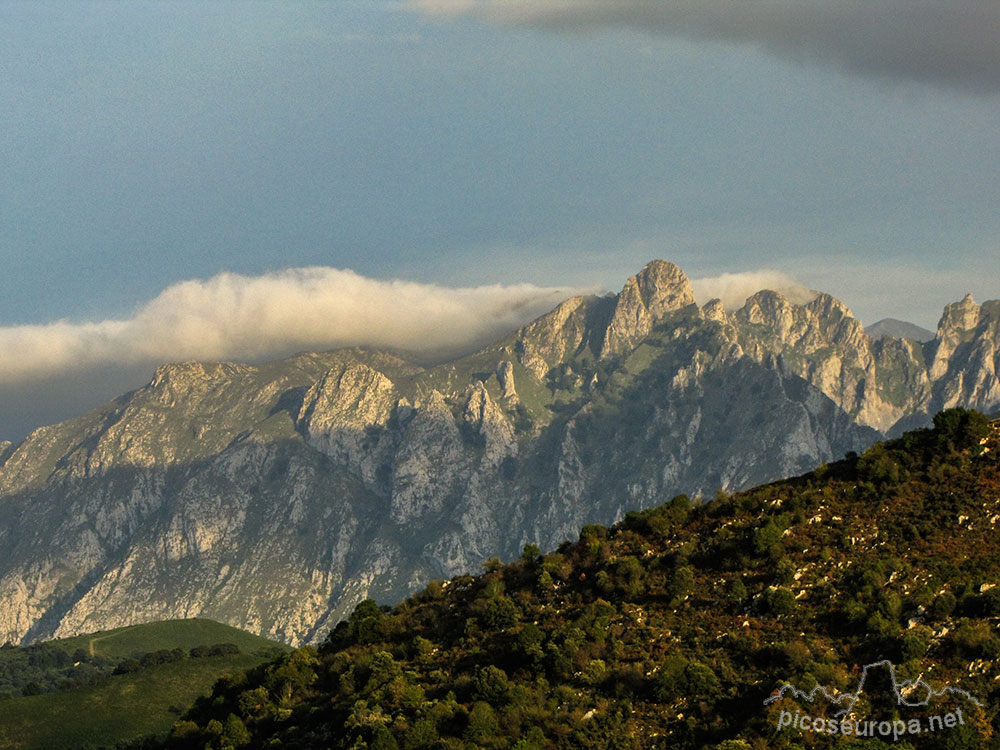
[
  {"x": 680, "y": 678},
  {"x": 422, "y": 734},
  {"x": 974, "y": 640},
  {"x": 32, "y": 688},
  {"x": 595, "y": 672},
  {"x": 501, "y": 613},
  {"x": 944, "y": 605},
  {"x": 482, "y": 724},
  {"x": 491, "y": 685},
  {"x": 737, "y": 592},
  {"x": 914, "y": 643},
  {"x": 779, "y": 601},
  {"x": 128, "y": 666},
  {"x": 630, "y": 574},
  {"x": 767, "y": 538}
]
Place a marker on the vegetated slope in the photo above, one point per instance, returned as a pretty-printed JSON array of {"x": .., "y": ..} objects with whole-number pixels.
[
  {"x": 127, "y": 642},
  {"x": 670, "y": 629},
  {"x": 275, "y": 497},
  {"x": 107, "y": 688}
]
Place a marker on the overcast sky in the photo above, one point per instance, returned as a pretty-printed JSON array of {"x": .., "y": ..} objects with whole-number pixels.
[{"x": 182, "y": 179}]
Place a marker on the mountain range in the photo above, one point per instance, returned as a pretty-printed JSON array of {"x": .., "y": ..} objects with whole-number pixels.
[{"x": 276, "y": 496}]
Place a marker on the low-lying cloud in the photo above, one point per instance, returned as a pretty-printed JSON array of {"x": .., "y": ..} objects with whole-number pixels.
[
  {"x": 56, "y": 370},
  {"x": 734, "y": 288},
  {"x": 950, "y": 42},
  {"x": 245, "y": 318}
]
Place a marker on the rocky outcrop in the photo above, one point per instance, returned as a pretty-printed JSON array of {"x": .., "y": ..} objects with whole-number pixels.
[
  {"x": 344, "y": 415},
  {"x": 970, "y": 337},
  {"x": 557, "y": 336},
  {"x": 957, "y": 323},
  {"x": 505, "y": 377},
  {"x": 274, "y": 497},
  {"x": 658, "y": 289}
]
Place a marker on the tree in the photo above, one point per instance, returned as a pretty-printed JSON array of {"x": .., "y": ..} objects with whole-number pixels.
[
  {"x": 767, "y": 538},
  {"x": 482, "y": 723},
  {"x": 422, "y": 734},
  {"x": 382, "y": 739},
  {"x": 779, "y": 600},
  {"x": 234, "y": 732},
  {"x": 501, "y": 613},
  {"x": 491, "y": 685},
  {"x": 630, "y": 575},
  {"x": 958, "y": 429},
  {"x": 366, "y": 621}
]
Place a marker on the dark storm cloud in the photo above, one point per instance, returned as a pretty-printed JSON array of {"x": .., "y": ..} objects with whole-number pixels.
[{"x": 946, "y": 43}]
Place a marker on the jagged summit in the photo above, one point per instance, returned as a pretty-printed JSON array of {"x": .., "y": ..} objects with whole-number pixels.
[
  {"x": 275, "y": 496},
  {"x": 960, "y": 316},
  {"x": 658, "y": 289}
]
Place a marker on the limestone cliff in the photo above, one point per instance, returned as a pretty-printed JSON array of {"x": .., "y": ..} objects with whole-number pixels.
[{"x": 275, "y": 496}]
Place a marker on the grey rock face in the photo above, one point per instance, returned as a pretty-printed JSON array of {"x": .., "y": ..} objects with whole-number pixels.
[
  {"x": 505, "y": 377},
  {"x": 658, "y": 289},
  {"x": 274, "y": 497}
]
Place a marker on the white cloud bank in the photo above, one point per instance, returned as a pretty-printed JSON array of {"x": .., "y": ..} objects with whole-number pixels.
[
  {"x": 950, "y": 42},
  {"x": 234, "y": 317},
  {"x": 734, "y": 288}
]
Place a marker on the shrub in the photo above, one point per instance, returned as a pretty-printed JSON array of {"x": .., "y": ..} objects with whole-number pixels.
[
  {"x": 914, "y": 643},
  {"x": 767, "y": 538},
  {"x": 491, "y": 685},
  {"x": 779, "y": 601},
  {"x": 501, "y": 613},
  {"x": 737, "y": 591},
  {"x": 482, "y": 724},
  {"x": 944, "y": 605}
]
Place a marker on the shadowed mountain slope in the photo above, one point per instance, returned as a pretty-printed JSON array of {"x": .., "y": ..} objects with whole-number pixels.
[{"x": 274, "y": 497}]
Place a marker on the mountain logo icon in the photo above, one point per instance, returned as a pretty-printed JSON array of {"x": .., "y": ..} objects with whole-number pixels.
[{"x": 910, "y": 693}]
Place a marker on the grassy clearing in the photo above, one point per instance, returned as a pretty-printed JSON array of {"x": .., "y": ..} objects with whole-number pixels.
[
  {"x": 140, "y": 639},
  {"x": 121, "y": 708}
]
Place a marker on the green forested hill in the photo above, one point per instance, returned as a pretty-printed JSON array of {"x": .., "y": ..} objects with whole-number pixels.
[{"x": 670, "y": 629}]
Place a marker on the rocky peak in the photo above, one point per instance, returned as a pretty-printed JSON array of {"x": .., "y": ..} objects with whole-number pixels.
[
  {"x": 715, "y": 310},
  {"x": 543, "y": 342},
  {"x": 766, "y": 307},
  {"x": 990, "y": 311},
  {"x": 658, "y": 289},
  {"x": 477, "y": 403},
  {"x": 349, "y": 395},
  {"x": 829, "y": 309},
  {"x": 839, "y": 325},
  {"x": 957, "y": 320},
  {"x": 783, "y": 323},
  {"x": 821, "y": 322},
  {"x": 342, "y": 415},
  {"x": 427, "y": 462},
  {"x": 959, "y": 316},
  {"x": 662, "y": 287}
]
